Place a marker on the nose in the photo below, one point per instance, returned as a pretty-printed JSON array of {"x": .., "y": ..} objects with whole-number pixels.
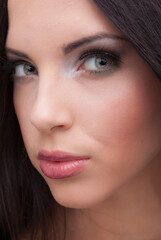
[{"x": 50, "y": 110}]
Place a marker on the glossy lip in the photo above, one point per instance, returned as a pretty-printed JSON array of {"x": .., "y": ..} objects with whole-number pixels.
[
  {"x": 59, "y": 165},
  {"x": 59, "y": 156}
]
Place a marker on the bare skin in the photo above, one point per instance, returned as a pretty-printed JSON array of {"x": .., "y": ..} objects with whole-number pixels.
[
  {"x": 136, "y": 215},
  {"x": 112, "y": 114}
]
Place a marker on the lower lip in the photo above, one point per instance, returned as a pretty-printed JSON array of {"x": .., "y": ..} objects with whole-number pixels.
[{"x": 66, "y": 169}]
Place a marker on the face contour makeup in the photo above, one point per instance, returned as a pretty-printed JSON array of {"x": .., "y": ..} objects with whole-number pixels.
[{"x": 82, "y": 90}]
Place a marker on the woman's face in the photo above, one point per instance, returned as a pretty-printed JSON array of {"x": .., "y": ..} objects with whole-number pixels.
[{"x": 80, "y": 87}]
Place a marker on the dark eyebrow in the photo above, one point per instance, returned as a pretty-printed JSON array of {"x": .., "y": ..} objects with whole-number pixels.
[
  {"x": 17, "y": 53},
  {"x": 72, "y": 46}
]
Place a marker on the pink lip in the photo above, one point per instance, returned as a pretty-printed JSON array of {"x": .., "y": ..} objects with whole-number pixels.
[
  {"x": 58, "y": 164},
  {"x": 59, "y": 156}
]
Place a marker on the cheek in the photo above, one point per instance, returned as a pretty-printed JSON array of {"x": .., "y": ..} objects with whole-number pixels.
[
  {"x": 125, "y": 118},
  {"x": 124, "y": 125},
  {"x": 23, "y": 98}
]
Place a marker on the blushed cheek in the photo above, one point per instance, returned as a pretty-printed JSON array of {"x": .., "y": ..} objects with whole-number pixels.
[
  {"x": 127, "y": 116},
  {"x": 126, "y": 127}
]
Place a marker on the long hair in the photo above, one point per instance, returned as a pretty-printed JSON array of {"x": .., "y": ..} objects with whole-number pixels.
[
  {"x": 140, "y": 22},
  {"x": 26, "y": 203},
  {"x": 25, "y": 199}
]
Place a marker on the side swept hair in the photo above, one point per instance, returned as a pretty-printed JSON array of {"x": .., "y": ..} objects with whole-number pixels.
[
  {"x": 25, "y": 199},
  {"x": 140, "y": 22}
]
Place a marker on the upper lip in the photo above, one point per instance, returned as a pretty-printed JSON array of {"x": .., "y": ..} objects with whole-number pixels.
[{"x": 60, "y": 156}]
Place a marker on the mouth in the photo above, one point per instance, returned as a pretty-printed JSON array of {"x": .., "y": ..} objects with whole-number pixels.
[{"x": 59, "y": 165}]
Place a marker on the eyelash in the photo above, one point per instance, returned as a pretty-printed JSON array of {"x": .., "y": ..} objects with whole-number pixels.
[
  {"x": 10, "y": 65},
  {"x": 114, "y": 57}
]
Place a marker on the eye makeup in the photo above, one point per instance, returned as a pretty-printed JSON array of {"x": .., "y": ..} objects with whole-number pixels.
[
  {"x": 100, "y": 58},
  {"x": 15, "y": 68},
  {"x": 99, "y": 61}
]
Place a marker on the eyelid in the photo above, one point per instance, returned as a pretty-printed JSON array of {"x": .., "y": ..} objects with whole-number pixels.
[
  {"x": 98, "y": 52},
  {"x": 10, "y": 64}
]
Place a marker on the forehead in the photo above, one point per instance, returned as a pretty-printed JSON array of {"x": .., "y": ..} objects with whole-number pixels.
[{"x": 54, "y": 21}]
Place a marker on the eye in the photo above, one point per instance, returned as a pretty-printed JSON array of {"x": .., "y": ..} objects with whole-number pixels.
[
  {"x": 96, "y": 62},
  {"x": 24, "y": 69}
]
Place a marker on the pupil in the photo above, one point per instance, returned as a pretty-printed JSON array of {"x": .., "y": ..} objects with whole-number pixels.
[
  {"x": 29, "y": 68},
  {"x": 101, "y": 62}
]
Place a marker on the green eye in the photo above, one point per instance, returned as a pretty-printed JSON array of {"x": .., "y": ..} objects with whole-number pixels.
[
  {"x": 96, "y": 62},
  {"x": 24, "y": 70}
]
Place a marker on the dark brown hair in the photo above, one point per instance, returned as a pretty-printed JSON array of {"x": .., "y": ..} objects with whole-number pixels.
[
  {"x": 140, "y": 22},
  {"x": 25, "y": 199}
]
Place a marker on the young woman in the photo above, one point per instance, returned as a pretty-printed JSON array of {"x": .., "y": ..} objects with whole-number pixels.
[{"x": 80, "y": 133}]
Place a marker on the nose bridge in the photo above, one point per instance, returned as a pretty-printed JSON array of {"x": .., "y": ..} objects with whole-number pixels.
[{"x": 49, "y": 107}]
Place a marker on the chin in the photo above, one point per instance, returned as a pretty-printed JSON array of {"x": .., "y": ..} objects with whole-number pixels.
[
  {"x": 77, "y": 200},
  {"x": 74, "y": 203}
]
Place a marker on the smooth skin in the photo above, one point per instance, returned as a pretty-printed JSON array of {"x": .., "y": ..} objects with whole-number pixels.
[{"x": 114, "y": 116}]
